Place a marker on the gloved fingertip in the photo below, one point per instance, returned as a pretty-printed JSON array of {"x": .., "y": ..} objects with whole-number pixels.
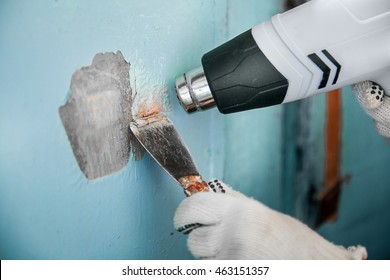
[
  {"x": 358, "y": 252},
  {"x": 360, "y": 88},
  {"x": 211, "y": 186},
  {"x": 217, "y": 186},
  {"x": 374, "y": 96},
  {"x": 186, "y": 229},
  {"x": 369, "y": 94}
]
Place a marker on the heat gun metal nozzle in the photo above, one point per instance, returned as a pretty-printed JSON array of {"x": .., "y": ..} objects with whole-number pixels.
[{"x": 193, "y": 91}]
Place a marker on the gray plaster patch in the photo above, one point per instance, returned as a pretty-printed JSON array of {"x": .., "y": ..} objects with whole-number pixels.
[{"x": 97, "y": 114}]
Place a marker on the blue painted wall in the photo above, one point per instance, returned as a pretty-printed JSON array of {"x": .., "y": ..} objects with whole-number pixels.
[{"x": 48, "y": 210}]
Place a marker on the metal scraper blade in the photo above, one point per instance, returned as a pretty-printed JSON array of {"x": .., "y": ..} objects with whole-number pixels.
[{"x": 161, "y": 139}]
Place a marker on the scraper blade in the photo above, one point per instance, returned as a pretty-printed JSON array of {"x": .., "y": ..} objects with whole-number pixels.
[{"x": 160, "y": 138}]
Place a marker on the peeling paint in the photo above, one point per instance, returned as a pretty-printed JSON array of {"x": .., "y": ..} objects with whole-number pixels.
[{"x": 97, "y": 114}]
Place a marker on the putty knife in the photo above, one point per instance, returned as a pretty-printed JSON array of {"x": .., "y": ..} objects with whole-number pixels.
[{"x": 159, "y": 137}]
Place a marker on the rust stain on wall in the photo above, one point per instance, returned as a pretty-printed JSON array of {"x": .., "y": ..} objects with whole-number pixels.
[
  {"x": 333, "y": 138},
  {"x": 329, "y": 198}
]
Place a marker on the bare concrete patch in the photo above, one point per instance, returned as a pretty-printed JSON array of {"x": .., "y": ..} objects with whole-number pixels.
[{"x": 97, "y": 114}]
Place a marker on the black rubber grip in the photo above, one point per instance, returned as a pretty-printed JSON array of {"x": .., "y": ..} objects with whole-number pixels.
[{"x": 241, "y": 77}]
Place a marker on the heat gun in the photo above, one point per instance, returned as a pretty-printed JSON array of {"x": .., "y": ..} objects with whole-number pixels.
[{"x": 317, "y": 47}]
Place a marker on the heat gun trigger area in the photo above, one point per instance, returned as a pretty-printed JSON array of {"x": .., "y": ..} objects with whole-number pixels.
[{"x": 193, "y": 184}]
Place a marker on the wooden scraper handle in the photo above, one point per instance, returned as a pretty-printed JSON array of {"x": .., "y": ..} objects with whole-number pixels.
[{"x": 193, "y": 184}]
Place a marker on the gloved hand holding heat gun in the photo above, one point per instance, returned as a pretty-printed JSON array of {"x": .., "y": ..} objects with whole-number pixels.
[
  {"x": 372, "y": 99},
  {"x": 225, "y": 224}
]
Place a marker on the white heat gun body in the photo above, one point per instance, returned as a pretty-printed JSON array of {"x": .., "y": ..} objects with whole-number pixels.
[{"x": 319, "y": 46}]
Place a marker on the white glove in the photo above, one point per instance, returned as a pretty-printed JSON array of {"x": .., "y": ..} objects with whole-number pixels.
[
  {"x": 225, "y": 224},
  {"x": 372, "y": 99}
]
